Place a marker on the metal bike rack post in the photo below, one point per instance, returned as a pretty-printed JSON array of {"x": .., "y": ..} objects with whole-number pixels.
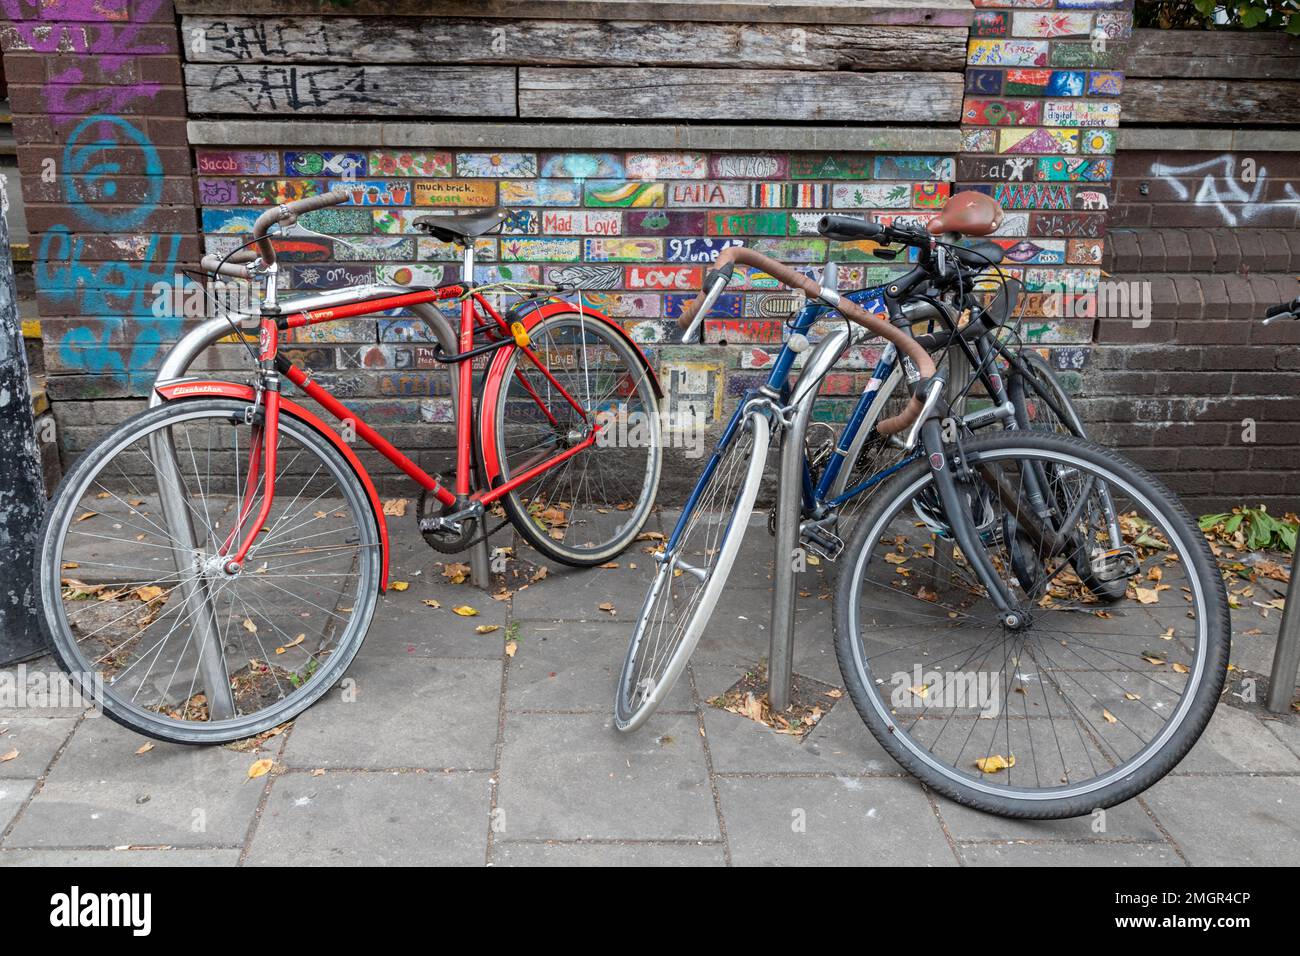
[
  {"x": 1286, "y": 659},
  {"x": 789, "y": 506}
]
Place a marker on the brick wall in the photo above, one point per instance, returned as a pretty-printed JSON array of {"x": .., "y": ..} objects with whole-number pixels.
[{"x": 1205, "y": 394}]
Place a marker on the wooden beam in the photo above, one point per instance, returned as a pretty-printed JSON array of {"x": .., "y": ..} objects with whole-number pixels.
[
  {"x": 278, "y": 91},
  {"x": 927, "y": 13},
  {"x": 1200, "y": 102},
  {"x": 729, "y": 95},
  {"x": 278, "y": 39},
  {"x": 1206, "y": 54}
]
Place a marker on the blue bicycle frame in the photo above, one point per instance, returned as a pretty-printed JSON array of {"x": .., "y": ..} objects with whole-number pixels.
[{"x": 778, "y": 384}]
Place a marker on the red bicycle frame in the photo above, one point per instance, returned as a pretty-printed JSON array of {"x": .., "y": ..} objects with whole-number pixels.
[{"x": 501, "y": 335}]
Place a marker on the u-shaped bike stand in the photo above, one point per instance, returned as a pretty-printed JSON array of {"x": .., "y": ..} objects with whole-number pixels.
[{"x": 176, "y": 512}]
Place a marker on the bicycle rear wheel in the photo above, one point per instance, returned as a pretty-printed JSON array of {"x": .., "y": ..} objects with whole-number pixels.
[
  {"x": 693, "y": 570},
  {"x": 589, "y": 507},
  {"x": 1087, "y": 705},
  {"x": 138, "y": 604}
]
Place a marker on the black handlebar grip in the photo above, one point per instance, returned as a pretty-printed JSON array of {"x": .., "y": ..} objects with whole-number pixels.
[
  {"x": 849, "y": 228},
  {"x": 1276, "y": 310}
]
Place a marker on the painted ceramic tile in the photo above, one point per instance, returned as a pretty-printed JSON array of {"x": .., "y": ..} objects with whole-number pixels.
[
  {"x": 522, "y": 222},
  {"x": 498, "y": 165},
  {"x": 385, "y": 162},
  {"x": 1081, "y": 112},
  {"x": 1031, "y": 195},
  {"x": 1071, "y": 280},
  {"x": 375, "y": 248},
  {"x": 989, "y": 23},
  {"x": 429, "y": 249},
  {"x": 1007, "y": 52},
  {"x": 627, "y": 195},
  {"x": 807, "y": 195},
  {"x": 871, "y": 195},
  {"x": 625, "y": 305},
  {"x": 390, "y": 221},
  {"x": 377, "y": 192},
  {"x": 1026, "y": 251},
  {"x": 623, "y": 250},
  {"x": 1097, "y": 141},
  {"x": 1073, "y": 169},
  {"x": 1105, "y": 82},
  {"x": 663, "y": 278},
  {"x": 339, "y": 221},
  {"x": 1068, "y": 225},
  {"x": 707, "y": 194},
  {"x": 455, "y": 192},
  {"x": 1085, "y": 54},
  {"x": 667, "y": 166},
  {"x": 767, "y": 195},
  {"x": 914, "y": 167},
  {"x": 748, "y": 166},
  {"x": 330, "y": 276},
  {"x": 540, "y": 192},
  {"x": 237, "y": 162},
  {"x": 985, "y": 82},
  {"x": 804, "y": 223},
  {"x": 1039, "y": 140},
  {"x": 830, "y": 166},
  {"x": 1065, "y": 83},
  {"x": 1052, "y": 23},
  {"x": 729, "y": 305},
  {"x": 979, "y": 140},
  {"x": 697, "y": 249},
  {"x": 981, "y": 112},
  {"x": 540, "y": 250},
  {"x": 930, "y": 195},
  {"x": 1096, "y": 198},
  {"x": 583, "y": 166},
  {"x": 657, "y": 222},
  {"x": 345, "y": 165},
  {"x": 507, "y": 272},
  {"x": 231, "y": 221},
  {"x": 747, "y": 223},
  {"x": 587, "y": 276},
  {"x": 695, "y": 393},
  {"x": 581, "y": 222},
  {"x": 272, "y": 191},
  {"x": 792, "y": 250},
  {"x": 218, "y": 192},
  {"x": 410, "y": 274},
  {"x": 1115, "y": 26},
  {"x": 1083, "y": 251},
  {"x": 653, "y": 331},
  {"x": 1000, "y": 168},
  {"x": 743, "y": 331}
]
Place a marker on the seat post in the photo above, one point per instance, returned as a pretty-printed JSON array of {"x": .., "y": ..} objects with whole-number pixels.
[{"x": 465, "y": 371}]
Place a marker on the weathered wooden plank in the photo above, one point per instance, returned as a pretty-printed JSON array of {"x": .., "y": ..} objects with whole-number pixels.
[
  {"x": 1198, "y": 102},
  {"x": 274, "y": 90},
  {"x": 727, "y": 95},
  {"x": 278, "y": 39},
  {"x": 929, "y": 13},
  {"x": 1198, "y": 53}
]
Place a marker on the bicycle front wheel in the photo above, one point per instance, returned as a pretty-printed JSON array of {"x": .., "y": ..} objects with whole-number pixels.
[
  {"x": 1083, "y": 706},
  {"x": 136, "y": 595},
  {"x": 693, "y": 570},
  {"x": 588, "y": 507}
]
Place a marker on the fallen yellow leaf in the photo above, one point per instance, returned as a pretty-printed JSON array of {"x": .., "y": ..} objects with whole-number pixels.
[
  {"x": 1108, "y": 716},
  {"x": 395, "y": 507},
  {"x": 1179, "y": 668},
  {"x": 150, "y": 592},
  {"x": 487, "y": 628},
  {"x": 259, "y": 768},
  {"x": 511, "y": 647},
  {"x": 294, "y": 643},
  {"x": 5, "y": 758},
  {"x": 432, "y": 603},
  {"x": 144, "y": 748},
  {"x": 995, "y": 763},
  {"x": 609, "y": 607},
  {"x": 465, "y": 610},
  {"x": 399, "y": 585},
  {"x": 249, "y": 626}
]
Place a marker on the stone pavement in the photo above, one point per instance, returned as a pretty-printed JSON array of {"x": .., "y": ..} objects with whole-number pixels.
[{"x": 443, "y": 749}]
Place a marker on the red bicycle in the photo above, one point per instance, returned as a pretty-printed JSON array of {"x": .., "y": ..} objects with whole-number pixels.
[{"x": 210, "y": 567}]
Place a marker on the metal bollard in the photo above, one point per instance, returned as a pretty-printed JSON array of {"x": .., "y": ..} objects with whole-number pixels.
[{"x": 1286, "y": 659}]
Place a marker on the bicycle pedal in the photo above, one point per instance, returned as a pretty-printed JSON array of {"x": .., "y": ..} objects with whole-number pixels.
[
  {"x": 822, "y": 542},
  {"x": 1116, "y": 563}
]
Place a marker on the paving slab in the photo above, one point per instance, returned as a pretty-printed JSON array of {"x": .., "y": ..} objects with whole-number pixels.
[
  {"x": 410, "y": 712},
  {"x": 1128, "y": 822},
  {"x": 12, "y": 794},
  {"x": 374, "y": 819},
  {"x": 1234, "y": 741},
  {"x": 607, "y": 854},
  {"x": 404, "y": 626},
  {"x": 741, "y": 745},
  {"x": 39, "y": 672},
  {"x": 1231, "y": 820},
  {"x": 100, "y": 792},
  {"x": 574, "y": 666},
  {"x": 1109, "y": 854},
  {"x": 121, "y": 858},
  {"x": 36, "y": 739},
  {"x": 827, "y": 821},
  {"x": 574, "y": 777},
  {"x": 1285, "y": 729}
]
